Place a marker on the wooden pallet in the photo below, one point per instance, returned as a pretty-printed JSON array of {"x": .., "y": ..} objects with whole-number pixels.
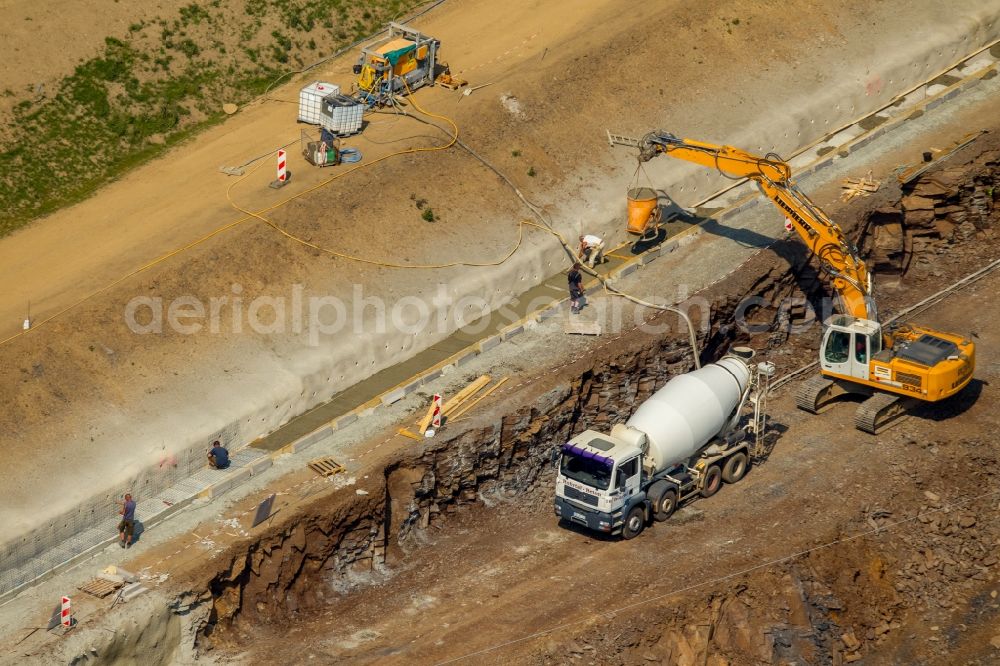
[
  {"x": 100, "y": 588},
  {"x": 326, "y": 466}
]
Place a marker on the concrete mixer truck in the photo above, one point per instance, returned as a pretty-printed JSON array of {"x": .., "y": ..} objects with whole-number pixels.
[{"x": 686, "y": 440}]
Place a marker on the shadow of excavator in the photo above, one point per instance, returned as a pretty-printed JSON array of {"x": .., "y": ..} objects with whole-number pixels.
[{"x": 676, "y": 220}]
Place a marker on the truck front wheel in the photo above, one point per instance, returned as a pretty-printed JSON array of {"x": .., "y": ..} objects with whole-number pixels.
[
  {"x": 712, "y": 481},
  {"x": 634, "y": 522}
]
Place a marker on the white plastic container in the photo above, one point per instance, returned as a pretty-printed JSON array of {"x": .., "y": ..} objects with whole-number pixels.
[
  {"x": 341, "y": 114},
  {"x": 311, "y": 100},
  {"x": 690, "y": 410}
]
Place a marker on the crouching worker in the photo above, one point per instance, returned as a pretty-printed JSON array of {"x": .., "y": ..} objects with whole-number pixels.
[
  {"x": 591, "y": 250},
  {"x": 218, "y": 456}
]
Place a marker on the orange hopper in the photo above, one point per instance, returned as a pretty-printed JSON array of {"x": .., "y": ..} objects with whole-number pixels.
[{"x": 641, "y": 204}]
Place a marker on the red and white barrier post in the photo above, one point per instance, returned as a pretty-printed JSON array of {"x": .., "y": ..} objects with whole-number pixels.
[
  {"x": 436, "y": 419},
  {"x": 282, "y": 166},
  {"x": 66, "y": 617},
  {"x": 283, "y": 174}
]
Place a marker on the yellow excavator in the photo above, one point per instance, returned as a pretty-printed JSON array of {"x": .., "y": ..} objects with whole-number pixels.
[{"x": 893, "y": 367}]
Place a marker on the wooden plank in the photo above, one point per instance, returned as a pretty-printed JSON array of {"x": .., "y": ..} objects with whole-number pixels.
[
  {"x": 426, "y": 421},
  {"x": 485, "y": 395},
  {"x": 465, "y": 394},
  {"x": 412, "y": 435}
]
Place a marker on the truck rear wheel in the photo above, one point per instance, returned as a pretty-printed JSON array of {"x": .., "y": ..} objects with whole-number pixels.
[
  {"x": 735, "y": 468},
  {"x": 712, "y": 482},
  {"x": 635, "y": 521}
]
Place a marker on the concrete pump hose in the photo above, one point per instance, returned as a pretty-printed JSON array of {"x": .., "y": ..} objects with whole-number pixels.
[{"x": 546, "y": 226}]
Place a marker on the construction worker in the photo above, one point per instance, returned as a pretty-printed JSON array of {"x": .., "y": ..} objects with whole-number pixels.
[
  {"x": 126, "y": 526},
  {"x": 592, "y": 249},
  {"x": 575, "y": 279},
  {"x": 218, "y": 456}
]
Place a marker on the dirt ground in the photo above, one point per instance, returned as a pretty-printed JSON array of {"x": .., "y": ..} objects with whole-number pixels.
[
  {"x": 837, "y": 547},
  {"x": 840, "y": 546},
  {"x": 43, "y": 41},
  {"x": 84, "y": 380},
  {"x": 80, "y": 377}
]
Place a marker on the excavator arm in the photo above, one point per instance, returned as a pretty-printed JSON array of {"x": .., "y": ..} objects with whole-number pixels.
[{"x": 827, "y": 241}]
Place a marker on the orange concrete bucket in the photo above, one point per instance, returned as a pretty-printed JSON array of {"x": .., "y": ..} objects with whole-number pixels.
[{"x": 641, "y": 204}]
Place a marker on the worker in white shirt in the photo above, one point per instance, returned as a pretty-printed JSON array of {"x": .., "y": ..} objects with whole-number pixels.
[{"x": 592, "y": 249}]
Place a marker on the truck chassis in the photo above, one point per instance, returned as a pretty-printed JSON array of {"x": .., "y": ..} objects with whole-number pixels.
[{"x": 662, "y": 493}]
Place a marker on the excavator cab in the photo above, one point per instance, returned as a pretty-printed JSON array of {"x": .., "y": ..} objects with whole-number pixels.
[
  {"x": 891, "y": 368},
  {"x": 849, "y": 345}
]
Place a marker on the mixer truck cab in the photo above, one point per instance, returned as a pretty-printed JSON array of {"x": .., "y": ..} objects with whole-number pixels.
[
  {"x": 599, "y": 481},
  {"x": 687, "y": 439}
]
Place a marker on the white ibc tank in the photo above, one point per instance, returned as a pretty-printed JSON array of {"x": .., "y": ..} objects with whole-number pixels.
[
  {"x": 690, "y": 410},
  {"x": 341, "y": 114},
  {"x": 311, "y": 100}
]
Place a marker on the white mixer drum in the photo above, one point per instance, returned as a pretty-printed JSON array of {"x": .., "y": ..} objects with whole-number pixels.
[{"x": 690, "y": 410}]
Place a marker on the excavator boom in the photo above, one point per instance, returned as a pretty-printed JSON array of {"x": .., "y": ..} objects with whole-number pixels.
[
  {"x": 773, "y": 176},
  {"x": 890, "y": 367}
]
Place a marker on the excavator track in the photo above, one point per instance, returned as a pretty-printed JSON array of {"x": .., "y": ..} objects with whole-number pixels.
[
  {"x": 817, "y": 393},
  {"x": 879, "y": 412}
]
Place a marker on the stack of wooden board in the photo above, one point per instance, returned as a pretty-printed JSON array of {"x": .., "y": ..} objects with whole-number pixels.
[
  {"x": 858, "y": 187},
  {"x": 456, "y": 406}
]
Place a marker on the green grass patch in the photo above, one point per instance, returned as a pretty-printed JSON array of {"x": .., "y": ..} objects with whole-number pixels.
[{"x": 160, "y": 86}]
